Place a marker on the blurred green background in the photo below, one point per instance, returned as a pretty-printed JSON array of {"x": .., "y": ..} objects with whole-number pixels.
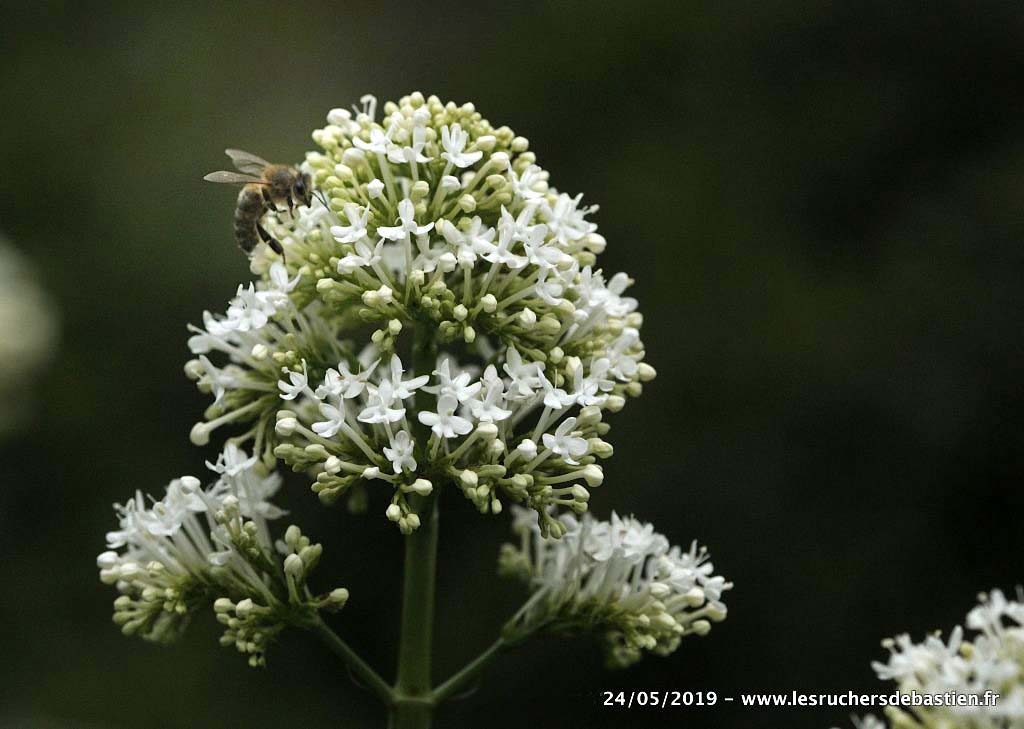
[{"x": 820, "y": 203}]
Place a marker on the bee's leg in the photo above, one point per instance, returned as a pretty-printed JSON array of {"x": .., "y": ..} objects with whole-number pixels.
[
  {"x": 270, "y": 240},
  {"x": 290, "y": 207},
  {"x": 269, "y": 200}
]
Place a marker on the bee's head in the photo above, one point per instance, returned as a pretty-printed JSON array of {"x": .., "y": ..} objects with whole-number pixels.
[{"x": 304, "y": 189}]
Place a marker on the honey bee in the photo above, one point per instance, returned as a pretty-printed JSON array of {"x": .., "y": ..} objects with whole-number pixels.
[{"x": 266, "y": 187}]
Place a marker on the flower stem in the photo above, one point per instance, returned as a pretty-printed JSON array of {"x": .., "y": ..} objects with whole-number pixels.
[
  {"x": 360, "y": 669},
  {"x": 414, "y": 652},
  {"x": 408, "y": 713},
  {"x": 470, "y": 671},
  {"x": 413, "y": 706}
]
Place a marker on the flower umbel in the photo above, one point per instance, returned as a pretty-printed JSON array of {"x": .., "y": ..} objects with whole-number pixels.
[
  {"x": 619, "y": 578},
  {"x": 440, "y": 225},
  {"x": 197, "y": 547}
]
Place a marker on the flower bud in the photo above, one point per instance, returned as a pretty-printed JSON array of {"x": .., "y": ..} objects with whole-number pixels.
[
  {"x": 419, "y": 190},
  {"x": 194, "y": 369},
  {"x": 615, "y": 403},
  {"x": 316, "y": 450},
  {"x": 596, "y": 243},
  {"x": 580, "y": 494},
  {"x": 589, "y": 415},
  {"x": 422, "y": 486},
  {"x": 487, "y": 431},
  {"x": 527, "y": 449},
  {"x": 659, "y": 590},
  {"x": 200, "y": 434},
  {"x": 593, "y": 475},
  {"x": 293, "y": 566},
  {"x": 499, "y": 160},
  {"x": 338, "y": 597},
  {"x": 310, "y": 554},
  {"x": 550, "y": 325},
  {"x": 694, "y": 596},
  {"x": 715, "y": 611},
  {"x": 286, "y": 426}
]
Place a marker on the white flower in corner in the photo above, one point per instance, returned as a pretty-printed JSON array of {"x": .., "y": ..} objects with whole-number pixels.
[{"x": 981, "y": 666}]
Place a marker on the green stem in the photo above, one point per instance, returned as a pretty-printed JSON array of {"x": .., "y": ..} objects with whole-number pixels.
[
  {"x": 413, "y": 706},
  {"x": 360, "y": 668},
  {"x": 411, "y": 713},
  {"x": 414, "y": 652},
  {"x": 470, "y": 671}
]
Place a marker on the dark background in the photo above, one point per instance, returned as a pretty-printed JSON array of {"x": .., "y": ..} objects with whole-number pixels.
[{"x": 821, "y": 205}]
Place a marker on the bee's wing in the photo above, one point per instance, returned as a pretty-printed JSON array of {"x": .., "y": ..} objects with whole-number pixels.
[
  {"x": 232, "y": 178},
  {"x": 246, "y": 161}
]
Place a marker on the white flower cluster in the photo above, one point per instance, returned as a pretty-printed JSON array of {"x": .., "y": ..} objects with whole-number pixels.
[
  {"x": 620, "y": 578},
  {"x": 359, "y": 426},
  {"x": 27, "y": 334},
  {"x": 442, "y": 227},
  {"x": 991, "y": 662},
  {"x": 262, "y": 333},
  {"x": 196, "y": 547}
]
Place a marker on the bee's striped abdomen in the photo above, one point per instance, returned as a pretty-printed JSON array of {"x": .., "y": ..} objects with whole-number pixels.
[{"x": 250, "y": 208}]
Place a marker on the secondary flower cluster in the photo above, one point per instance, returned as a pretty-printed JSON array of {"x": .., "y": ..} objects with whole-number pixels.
[
  {"x": 989, "y": 663},
  {"x": 619, "y": 578},
  {"x": 198, "y": 547},
  {"x": 430, "y": 222}
]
